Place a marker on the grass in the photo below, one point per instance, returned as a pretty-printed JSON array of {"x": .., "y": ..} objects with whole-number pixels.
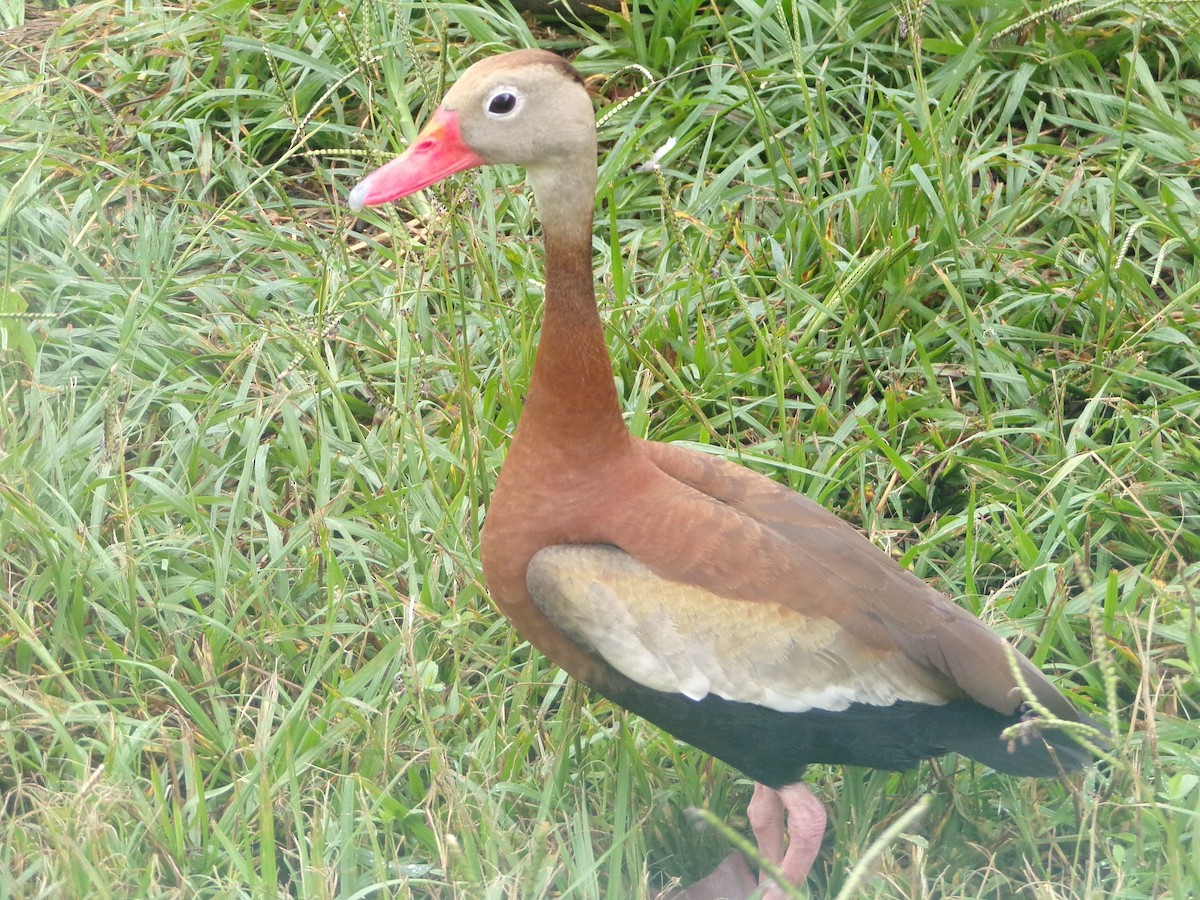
[{"x": 940, "y": 274}]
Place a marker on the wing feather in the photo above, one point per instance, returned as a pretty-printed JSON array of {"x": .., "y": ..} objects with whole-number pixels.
[
  {"x": 872, "y": 600},
  {"x": 680, "y": 638}
]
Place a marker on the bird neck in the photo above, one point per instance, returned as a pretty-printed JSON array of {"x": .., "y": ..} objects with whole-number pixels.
[{"x": 572, "y": 406}]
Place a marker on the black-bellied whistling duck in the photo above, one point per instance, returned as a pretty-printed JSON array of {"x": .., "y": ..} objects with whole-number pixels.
[{"x": 734, "y": 613}]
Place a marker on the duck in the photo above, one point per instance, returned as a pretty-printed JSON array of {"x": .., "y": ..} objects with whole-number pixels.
[{"x": 738, "y": 615}]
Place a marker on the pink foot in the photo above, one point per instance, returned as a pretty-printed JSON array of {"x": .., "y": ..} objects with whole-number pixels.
[
  {"x": 731, "y": 880},
  {"x": 805, "y": 828},
  {"x": 788, "y": 825}
]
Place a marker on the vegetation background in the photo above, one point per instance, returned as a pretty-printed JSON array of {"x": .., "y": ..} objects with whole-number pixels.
[{"x": 936, "y": 266}]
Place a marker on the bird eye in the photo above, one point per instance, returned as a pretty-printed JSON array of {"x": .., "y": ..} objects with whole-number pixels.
[{"x": 503, "y": 102}]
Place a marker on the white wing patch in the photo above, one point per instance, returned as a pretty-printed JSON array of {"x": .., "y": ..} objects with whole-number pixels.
[{"x": 679, "y": 638}]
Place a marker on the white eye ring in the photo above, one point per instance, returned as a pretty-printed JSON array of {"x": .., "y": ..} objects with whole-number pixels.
[{"x": 503, "y": 102}]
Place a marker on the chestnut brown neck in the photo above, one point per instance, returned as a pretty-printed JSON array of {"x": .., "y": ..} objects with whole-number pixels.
[{"x": 572, "y": 409}]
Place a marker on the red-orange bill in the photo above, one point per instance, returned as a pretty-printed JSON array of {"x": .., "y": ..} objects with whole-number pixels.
[{"x": 437, "y": 153}]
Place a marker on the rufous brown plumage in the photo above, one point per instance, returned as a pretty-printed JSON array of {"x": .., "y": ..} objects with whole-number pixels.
[{"x": 692, "y": 591}]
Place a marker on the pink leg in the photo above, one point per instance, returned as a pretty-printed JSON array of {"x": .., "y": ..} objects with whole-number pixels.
[
  {"x": 792, "y": 850},
  {"x": 805, "y": 829},
  {"x": 766, "y": 814}
]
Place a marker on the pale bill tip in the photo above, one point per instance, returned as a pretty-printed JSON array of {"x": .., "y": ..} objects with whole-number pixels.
[{"x": 358, "y": 197}]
